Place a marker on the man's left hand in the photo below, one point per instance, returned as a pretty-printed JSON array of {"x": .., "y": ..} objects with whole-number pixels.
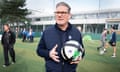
[{"x": 76, "y": 62}]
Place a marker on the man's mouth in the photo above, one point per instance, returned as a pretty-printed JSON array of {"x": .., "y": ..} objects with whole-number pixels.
[{"x": 60, "y": 19}]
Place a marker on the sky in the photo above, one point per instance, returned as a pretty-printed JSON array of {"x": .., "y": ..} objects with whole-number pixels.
[{"x": 48, "y": 6}]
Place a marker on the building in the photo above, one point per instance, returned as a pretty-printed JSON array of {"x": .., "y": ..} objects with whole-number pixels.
[{"x": 90, "y": 21}]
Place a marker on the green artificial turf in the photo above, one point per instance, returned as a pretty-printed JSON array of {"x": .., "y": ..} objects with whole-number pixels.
[{"x": 28, "y": 61}]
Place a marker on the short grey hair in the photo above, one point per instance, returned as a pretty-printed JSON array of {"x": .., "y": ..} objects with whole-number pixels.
[{"x": 64, "y": 4}]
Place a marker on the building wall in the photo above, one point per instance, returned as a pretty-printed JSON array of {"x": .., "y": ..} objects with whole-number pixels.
[{"x": 92, "y": 21}]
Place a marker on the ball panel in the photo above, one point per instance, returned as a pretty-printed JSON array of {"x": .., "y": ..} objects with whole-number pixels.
[{"x": 69, "y": 51}]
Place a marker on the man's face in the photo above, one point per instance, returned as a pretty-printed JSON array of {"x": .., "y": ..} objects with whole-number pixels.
[
  {"x": 62, "y": 15},
  {"x": 6, "y": 28}
]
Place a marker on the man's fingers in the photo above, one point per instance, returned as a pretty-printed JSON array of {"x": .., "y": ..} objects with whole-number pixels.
[
  {"x": 56, "y": 58},
  {"x": 55, "y": 47},
  {"x": 76, "y": 62},
  {"x": 79, "y": 58},
  {"x": 56, "y": 53},
  {"x": 53, "y": 54}
]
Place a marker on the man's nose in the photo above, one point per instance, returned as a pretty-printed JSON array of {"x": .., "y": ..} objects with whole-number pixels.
[{"x": 59, "y": 14}]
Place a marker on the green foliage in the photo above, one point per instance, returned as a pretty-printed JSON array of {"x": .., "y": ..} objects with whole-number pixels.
[{"x": 13, "y": 11}]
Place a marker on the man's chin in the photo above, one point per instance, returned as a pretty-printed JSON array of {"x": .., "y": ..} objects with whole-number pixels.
[{"x": 60, "y": 23}]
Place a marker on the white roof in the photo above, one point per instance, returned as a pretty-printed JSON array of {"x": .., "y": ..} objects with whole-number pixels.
[{"x": 36, "y": 13}]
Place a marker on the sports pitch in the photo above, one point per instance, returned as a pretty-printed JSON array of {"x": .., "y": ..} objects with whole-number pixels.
[{"x": 28, "y": 61}]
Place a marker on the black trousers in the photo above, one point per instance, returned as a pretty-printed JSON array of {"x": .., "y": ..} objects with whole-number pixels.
[
  {"x": 24, "y": 38},
  {"x": 31, "y": 38},
  {"x": 8, "y": 49}
]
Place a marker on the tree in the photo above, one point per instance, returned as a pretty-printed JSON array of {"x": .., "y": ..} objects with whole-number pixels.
[{"x": 13, "y": 11}]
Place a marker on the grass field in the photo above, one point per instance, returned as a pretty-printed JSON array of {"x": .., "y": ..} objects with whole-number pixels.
[{"x": 28, "y": 61}]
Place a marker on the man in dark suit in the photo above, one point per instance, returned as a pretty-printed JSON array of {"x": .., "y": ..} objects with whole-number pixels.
[{"x": 53, "y": 39}]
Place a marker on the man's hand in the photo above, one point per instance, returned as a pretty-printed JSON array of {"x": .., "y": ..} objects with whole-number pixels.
[
  {"x": 53, "y": 54},
  {"x": 76, "y": 62}
]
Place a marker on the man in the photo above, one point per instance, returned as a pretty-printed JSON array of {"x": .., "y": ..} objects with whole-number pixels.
[
  {"x": 53, "y": 39},
  {"x": 112, "y": 41},
  {"x": 103, "y": 40},
  {"x": 24, "y": 34},
  {"x": 30, "y": 35},
  {"x": 8, "y": 41}
]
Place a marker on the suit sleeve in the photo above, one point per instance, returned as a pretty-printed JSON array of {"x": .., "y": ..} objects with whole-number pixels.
[
  {"x": 42, "y": 50},
  {"x": 81, "y": 42}
]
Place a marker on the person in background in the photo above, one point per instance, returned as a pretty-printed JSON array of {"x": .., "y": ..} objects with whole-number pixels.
[
  {"x": 112, "y": 41},
  {"x": 30, "y": 35},
  {"x": 24, "y": 35},
  {"x": 8, "y": 41},
  {"x": 17, "y": 32},
  {"x": 103, "y": 40}
]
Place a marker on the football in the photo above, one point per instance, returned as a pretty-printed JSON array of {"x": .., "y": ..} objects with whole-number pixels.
[
  {"x": 72, "y": 50},
  {"x": 101, "y": 51}
]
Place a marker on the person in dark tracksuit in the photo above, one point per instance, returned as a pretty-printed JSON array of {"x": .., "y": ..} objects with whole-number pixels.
[
  {"x": 53, "y": 39},
  {"x": 112, "y": 41},
  {"x": 8, "y": 41},
  {"x": 24, "y": 35}
]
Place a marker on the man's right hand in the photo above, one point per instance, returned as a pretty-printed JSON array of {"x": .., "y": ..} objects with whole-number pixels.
[{"x": 53, "y": 54}]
